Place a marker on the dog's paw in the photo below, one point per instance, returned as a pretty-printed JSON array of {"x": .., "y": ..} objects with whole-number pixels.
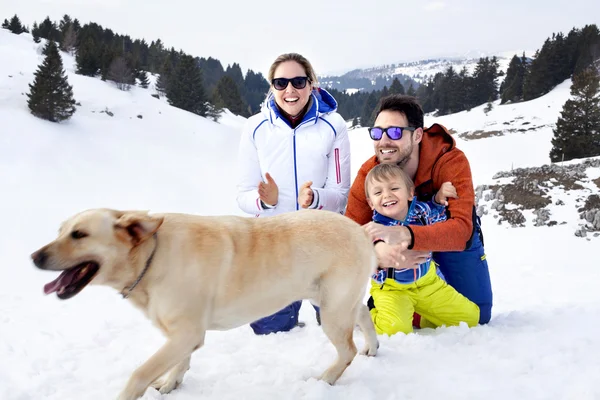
[
  {"x": 133, "y": 391},
  {"x": 370, "y": 351},
  {"x": 166, "y": 385},
  {"x": 329, "y": 377}
]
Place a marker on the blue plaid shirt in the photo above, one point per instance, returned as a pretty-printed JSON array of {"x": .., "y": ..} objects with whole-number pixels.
[{"x": 419, "y": 213}]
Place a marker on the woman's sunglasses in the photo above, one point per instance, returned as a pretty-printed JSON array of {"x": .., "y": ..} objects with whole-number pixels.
[
  {"x": 298, "y": 82},
  {"x": 393, "y": 132}
]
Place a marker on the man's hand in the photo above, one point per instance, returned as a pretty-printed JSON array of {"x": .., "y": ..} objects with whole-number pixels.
[
  {"x": 390, "y": 256},
  {"x": 268, "y": 191},
  {"x": 447, "y": 190},
  {"x": 306, "y": 196},
  {"x": 390, "y": 234}
]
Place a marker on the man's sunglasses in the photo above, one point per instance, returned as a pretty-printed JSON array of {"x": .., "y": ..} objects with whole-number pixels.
[
  {"x": 298, "y": 82},
  {"x": 393, "y": 132}
]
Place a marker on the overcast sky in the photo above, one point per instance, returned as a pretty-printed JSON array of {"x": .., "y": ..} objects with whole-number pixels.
[{"x": 335, "y": 36}]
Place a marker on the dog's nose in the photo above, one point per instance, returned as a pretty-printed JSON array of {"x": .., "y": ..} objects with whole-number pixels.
[{"x": 39, "y": 258}]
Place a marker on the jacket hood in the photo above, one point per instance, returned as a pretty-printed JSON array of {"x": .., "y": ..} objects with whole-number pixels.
[
  {"x": 321, "y": 103},
  {"x": 436, "y": 142}
]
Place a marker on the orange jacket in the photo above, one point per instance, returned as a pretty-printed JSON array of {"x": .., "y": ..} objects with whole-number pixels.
[{"x": 439, "y": 161}]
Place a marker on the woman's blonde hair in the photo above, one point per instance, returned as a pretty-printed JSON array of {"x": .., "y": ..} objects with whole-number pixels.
[{"x": 308, "y": 69}]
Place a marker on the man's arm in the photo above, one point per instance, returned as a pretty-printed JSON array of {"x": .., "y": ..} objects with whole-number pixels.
[
  {"x": 358, "y": 209},
  {"x": 454, "y": 233}
]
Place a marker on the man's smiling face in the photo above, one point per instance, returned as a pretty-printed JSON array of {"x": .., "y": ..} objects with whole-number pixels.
[{"x": 393, "y": 151}]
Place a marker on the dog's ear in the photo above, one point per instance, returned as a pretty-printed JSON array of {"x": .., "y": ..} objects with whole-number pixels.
[{"x": 138, "y": 225}]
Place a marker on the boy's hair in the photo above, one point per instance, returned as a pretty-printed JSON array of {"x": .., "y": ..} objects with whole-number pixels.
[
  {"x": 407, "y": 105},
  {"x": 384, "y": 172}
]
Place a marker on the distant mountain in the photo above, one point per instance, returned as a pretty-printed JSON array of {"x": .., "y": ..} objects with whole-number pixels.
[{"x": 415, "y": 72}]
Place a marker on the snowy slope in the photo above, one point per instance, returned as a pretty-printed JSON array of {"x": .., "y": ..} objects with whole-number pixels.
[{"x": 540, "y": 344}]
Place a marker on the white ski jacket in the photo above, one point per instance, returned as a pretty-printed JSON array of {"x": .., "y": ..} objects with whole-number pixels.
[{"x": 317, "y": 150}]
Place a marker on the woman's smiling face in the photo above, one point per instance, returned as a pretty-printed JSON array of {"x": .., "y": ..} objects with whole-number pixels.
[{"x": 290, "y": 99}]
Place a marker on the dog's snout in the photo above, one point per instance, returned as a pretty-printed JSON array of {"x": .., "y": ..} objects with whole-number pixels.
[{"x": 39, "y": 258}]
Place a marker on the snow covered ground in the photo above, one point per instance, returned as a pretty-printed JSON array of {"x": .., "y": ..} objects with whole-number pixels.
[{"x": 542, "y": 342}]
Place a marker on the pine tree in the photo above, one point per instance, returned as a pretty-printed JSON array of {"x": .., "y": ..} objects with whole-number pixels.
[
  {"x": 485, "y": 83},
  {"x": 143, "y": 78},
  {"x": 235, "y": 72},
  {"x": 396, "y": 87},
  {"x": 185, "y": 89},
  {"x": 256, "y": 90},
  {"x": 588, "y": 48},
  {"x": 15, "y": 25},
  {"x": 51, "y": 96},
  {"x": 577, "y": 132},
  {"x": 156, "y": 56},
  {"x": 164, "y": 77},
  {"x": 48, "y": 30},
  {"x": 35, "y": 32},
  {"x": 213, "y": 112},
  {"x": 5, "y": 24},
  {"x": 448, "y": 96},
  {"x": 227, "y": 92},
  {"x": 64, "y": 24},
  {"x": 512, "y": 87},
  {"x": 425, "y": 95},
  {"x": 106, "y": 58},
  {"x": 212, "y": 71},
  {"x": 367, "y": 116},
  {"x": 88, "y": 62}
]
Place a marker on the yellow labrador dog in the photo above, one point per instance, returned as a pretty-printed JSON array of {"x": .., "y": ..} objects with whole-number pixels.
[{"x": 190, "y": 274}]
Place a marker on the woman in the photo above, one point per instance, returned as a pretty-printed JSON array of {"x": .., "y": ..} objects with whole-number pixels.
[{"x": 293, "y": 154}]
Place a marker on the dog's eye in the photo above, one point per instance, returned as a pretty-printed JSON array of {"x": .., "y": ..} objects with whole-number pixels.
[{"x": 78, "y": 234}]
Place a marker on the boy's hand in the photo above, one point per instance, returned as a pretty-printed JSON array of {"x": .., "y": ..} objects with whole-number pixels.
[
  {"x": 268, "y": 191},
  {"x": 413, "y": 258},
  {"x": 306, "y": 195},
  {"x": 447, "y": 190},
  {"x": 390, "y": 256}
]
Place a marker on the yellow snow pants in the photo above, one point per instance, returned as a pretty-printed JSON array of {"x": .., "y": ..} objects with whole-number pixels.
[{"x": 437, "y": 302}]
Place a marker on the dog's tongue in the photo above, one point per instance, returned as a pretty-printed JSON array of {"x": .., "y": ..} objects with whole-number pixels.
[{"x": 63, "y": 279}]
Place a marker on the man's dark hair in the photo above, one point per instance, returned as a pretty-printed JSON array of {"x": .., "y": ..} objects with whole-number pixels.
[{"x": 407, "y": 105}]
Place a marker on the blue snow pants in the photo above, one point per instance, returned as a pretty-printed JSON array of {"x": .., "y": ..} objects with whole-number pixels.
[
  {"x": 467, "y": 271},
  {"x": 282, "y": 321}
]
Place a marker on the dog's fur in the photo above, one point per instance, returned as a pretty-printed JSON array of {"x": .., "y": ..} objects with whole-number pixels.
[{"x": 217, "y": 273}]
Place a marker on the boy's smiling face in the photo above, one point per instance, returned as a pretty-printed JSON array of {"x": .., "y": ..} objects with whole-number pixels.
[{"x": 390, "y": 197}]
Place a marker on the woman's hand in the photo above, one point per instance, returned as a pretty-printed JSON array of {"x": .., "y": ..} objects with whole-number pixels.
[
  {"x": 268, "y": 191},
  {"x": 306, "y": 196}
]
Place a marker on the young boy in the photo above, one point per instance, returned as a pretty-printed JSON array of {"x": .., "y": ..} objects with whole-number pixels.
[{"x": 398, "y": 293}]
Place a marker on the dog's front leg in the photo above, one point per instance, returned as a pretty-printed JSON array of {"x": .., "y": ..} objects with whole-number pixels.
[
  {"x": 176, "y": 350},
  {"x": 173, "y": 378}
]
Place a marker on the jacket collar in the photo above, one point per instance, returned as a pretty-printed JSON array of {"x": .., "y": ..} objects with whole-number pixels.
[{"x": 321, "y": 103}]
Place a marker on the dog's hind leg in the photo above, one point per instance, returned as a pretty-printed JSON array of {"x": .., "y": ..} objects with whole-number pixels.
[
  {"x": 368, "y": 329},
  {"x": 177, "y": 348},
  {"x": 173, "y": 378},
  {"x": 338, "y": 325}
]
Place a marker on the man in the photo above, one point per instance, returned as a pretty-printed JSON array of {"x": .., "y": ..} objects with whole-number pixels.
[{"x": 430, "y": 157}]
